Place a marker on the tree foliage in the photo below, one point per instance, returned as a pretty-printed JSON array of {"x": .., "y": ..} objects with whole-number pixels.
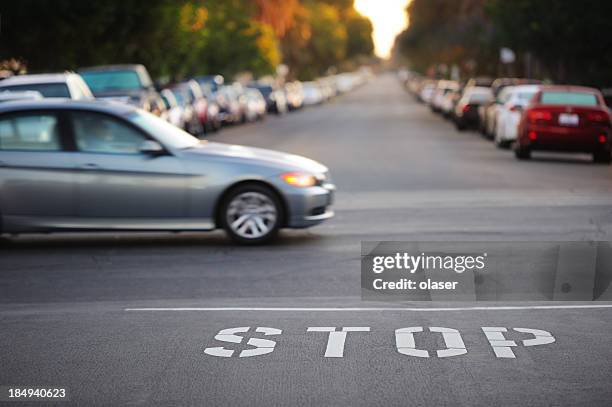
[
  {"x": 567, "y": 40},
  {"x": 176, "y": 38}
]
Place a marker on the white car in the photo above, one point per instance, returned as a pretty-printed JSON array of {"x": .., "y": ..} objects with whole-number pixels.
[
  {"x": 443, "y": 89},
  {"x": 509, "y": 113},
  {"x": 56, "y": 85},
  {"x": 312, "y": 93},
  {"x": 427, "y": 92}
]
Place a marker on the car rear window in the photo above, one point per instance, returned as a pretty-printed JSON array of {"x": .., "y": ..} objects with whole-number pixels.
[
  {"x": 479, "y": 97},
  {"x": 48, "y": 90},
  {"x": 569, "y": 98},
  {"x": 108, "y": 81}
]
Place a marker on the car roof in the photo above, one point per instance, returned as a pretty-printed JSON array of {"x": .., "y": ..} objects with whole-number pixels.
[
  {"x": 478, "y": 89},
  {"x": 569, "y": 88},
  {"x": 116, "y": 67},
  {"x": 67, "y": 104},
  {"x": 36, "y": 78},
  {"x": 524, "y": 88}
]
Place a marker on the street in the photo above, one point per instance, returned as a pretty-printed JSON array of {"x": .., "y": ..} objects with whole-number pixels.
[{"x": 125, "y": 319}]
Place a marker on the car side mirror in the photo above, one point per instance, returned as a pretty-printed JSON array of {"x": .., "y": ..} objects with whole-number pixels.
[{"x": 151, "y": 147}]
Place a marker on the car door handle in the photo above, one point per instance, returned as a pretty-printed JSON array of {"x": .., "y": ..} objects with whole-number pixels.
[{"x": 89, "y": 166}]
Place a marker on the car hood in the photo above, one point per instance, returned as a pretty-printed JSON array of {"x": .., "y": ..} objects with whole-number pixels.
[{"x": 258, "y": 156}]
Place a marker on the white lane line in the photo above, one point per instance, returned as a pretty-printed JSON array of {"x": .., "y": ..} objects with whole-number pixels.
[{"x": 339, "y": 309}]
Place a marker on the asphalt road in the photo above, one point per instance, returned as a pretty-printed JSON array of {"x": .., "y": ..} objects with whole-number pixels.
[{"x": 75, "y": 310}]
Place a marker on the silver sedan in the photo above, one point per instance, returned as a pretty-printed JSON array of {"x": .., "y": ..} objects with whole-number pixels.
[{"x": 88, "y": 166}]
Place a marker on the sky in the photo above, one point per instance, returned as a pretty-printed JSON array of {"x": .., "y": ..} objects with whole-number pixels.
[{"x": 388, "y": 18}]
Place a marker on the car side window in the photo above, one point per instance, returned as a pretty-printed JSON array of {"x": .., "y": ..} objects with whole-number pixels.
[
  {"x": 32, "y": 132},
  {"x": 99, "y": 133}
]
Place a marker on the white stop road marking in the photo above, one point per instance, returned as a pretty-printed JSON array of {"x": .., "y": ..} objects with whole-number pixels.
[{"x": 404, "y": 341}]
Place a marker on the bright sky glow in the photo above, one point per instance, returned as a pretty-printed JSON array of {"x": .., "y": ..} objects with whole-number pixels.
[{"x": 388, "y": 18}]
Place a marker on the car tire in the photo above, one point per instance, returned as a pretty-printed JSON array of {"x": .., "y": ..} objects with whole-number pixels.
[
  {"x": 521, "y": 152},
  {"x": 261, "y": 212},
  {"x": 602, "y": 157}
]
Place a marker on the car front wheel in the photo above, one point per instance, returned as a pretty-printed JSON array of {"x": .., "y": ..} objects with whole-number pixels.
[{"x": 251, "y": 214}]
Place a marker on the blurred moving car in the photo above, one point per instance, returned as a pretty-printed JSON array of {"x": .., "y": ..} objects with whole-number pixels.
[
  {"x": 49, "y": 85},
  {"x": 129, "y": 83},
  {"x": 566, "y": 118},
  {"x": 466, "y": 111},
  {"x": 509, "y": 113},
  {"x": 93, "y": 166}
]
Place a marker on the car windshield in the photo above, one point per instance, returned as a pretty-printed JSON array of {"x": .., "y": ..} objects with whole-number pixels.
[
  {"x": 48, "y": 90},
  {"x": 569, "y": 98},
  {"x": 104, "y": 81},
  {"x": 166, "y": 133}
]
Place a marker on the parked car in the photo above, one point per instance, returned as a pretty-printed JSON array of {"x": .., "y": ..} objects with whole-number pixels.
[
  {"x": 510, "y": 112},
  {"x": 443, "y": 88},
  {"x": 213, "y": 116},
  {"x": 128, "y": 83},
  {"x": 256, "y": 105},
  {"x": 191, "y": 122},
  {"x": 56, "y": 85},
  {"x": 466, "y": 111},
  {"x": 8, "y": 96},
  {"x": 174, "y": 111},
  {"x": 427, "y": 91},
  {"x": 115, "y": 167},
  {"x": 275, "y": 98},
  {"x": 294, "y": 95},
  {"x": 198, "y": 102},
  {"x": 488, "y": 113},
  {"x": 312, "y": 93},
  {"x": 566, "y": 118},
  {"x": 211, "y": 82},
  {"x": 449, "y": 101},
  {"x": 233, "y": 109}
]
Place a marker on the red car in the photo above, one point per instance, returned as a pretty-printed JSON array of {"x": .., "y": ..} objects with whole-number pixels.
[{"x": 566, "y": 118}]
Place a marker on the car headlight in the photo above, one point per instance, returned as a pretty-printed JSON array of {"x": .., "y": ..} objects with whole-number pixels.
[{"x": 299, "y": 179}]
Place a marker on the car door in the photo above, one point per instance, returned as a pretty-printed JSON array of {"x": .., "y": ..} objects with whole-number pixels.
[
  {"x": 118, "y": 185},
  {"x": 36, "y": 170}
]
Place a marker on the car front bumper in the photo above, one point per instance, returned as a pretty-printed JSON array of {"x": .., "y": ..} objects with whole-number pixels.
[{"x": 309, "y": 206}]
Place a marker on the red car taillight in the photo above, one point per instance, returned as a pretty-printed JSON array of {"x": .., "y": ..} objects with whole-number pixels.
[
  {"x": 598, "y": 117},
  {"x": 466, "y": 108},
  {"x": 539, "y": 116}
]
